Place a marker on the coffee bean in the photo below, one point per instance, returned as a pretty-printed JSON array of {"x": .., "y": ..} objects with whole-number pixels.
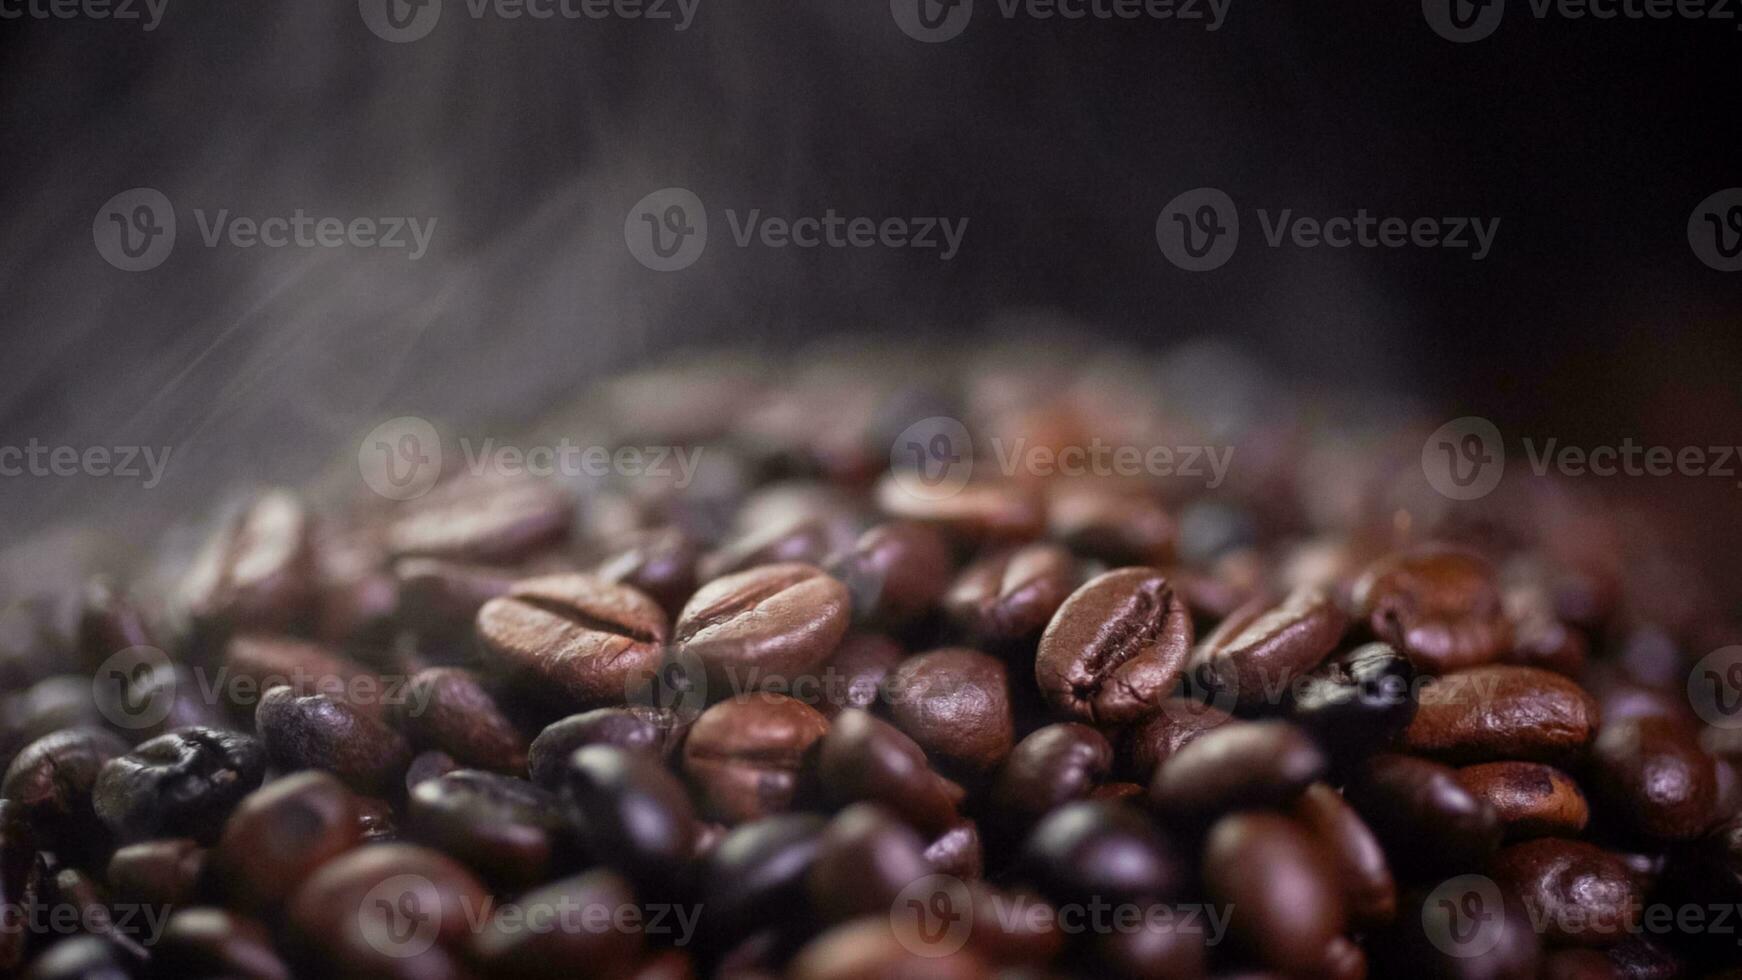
[
  {"x": 585, "y": 934},
  {"x": 631, "y": 814},
  {"x": 1533, "y": 800},
  {"x": 575, "y": 637},
  {"x": 507, "y": 830},
  {"x": 1502, "y": 712},
  {"x": 1172, "y": 951},
  {"x": 1429, "y": 823},
  {"x": 1457, "y": 937},
  {"x": 1440, "y": 606},
  {"x": 484, "y": 520},
  {"x": 758, "y": 872},
  {"x": 1576, "y": 893},
  {"x": 52, "y": 780},
  {"x": 1007, "y": 598},
  {"x": 1652, "y": 773},
  {"x": 1578, "y": 964},
  {"x": 958, "y": 852},
  {"x": 278, "y": 835},
  {"x": 781, "y": 620},
  {"x": 375, "y": 820},
  {"x": 390, "y": 910},
  {"x": 1052, "y": 766},
  {"x": 955, "y": 703},
  {"x": 866, "y": 856},
  {"x": 448, "y": 708},
  {"x": 185, "y": 782},
  {"x": 1114, "y": 648},
  {"x": 438, "y": 597},
  {"x": 1097, "y": 850},
  {"x": 315, "y": 731},
  {"x": 17, "y": 876},
  {"x": 86, "y": 958},
  {"x": 981, "y": 513},
  {"x": 1369, "y": 891},
  {"x": 867, "y": 948},
  {"x": 744, "y": 755},
  {"x": 1116, "y": 527},
  {"x": 211, "y": 942},
  {"x": 157, "y": 873},
  {"x": 1238, "y": 766},
  {"x": 865, "y": 758},
  {"x": 257, "y": 572},
  {"x": 51, "y": 704},
  {"x": 895, "y": 572},
  {"x": 428, "y": 765},
  {"x": 1548, "y": 643},
  {"x": 1638, "y": 957},
  {"x": 1257, "y": 652},
  {"x": 255, "y": 664},
  {"x": 638, "y": 728},
  {"x": 853, "y": 676},
  {"x": 660, "y": 564},
  {"x": 109, "y": 622},
  {"x": 1280, "y": 886},
  {"x": 794, "y": 538},
  {"x": 1357, "y": 702},
  {"x": 356, "y": 596},
  {"x": 1146, "y": 746}
]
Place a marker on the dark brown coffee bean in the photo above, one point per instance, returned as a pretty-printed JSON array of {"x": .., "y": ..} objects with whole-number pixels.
[
  {"x": 581, "y": 930},
  {"x": 955, "y": 703},
  {"x": 315, "y": 731},
  {"x": 1052, "y": 766},
  {"x": 390, "y": 910},
  {"x": 758, "y": 872},
  {"x": 157, "y": 873},
  {"x": 853, "y": 677},
  {"x": 744, "y": 755},
  {"x": 428, "y": 765},
  {"x": 774, "y": 620},
  {"x": 1170, "y": 951},
  {"x": 211, "y": 942},
  {"x": 1533, "y": 800},
  {"x": 1117, "y": 527},
  {"x": 278, "y": 835},
  {"x": 87, "y": 957},
  {"x": 896, "y": 572},
  {"x": 865, "y": 758},
  {"x": 448, "y": 708},
  {"x": 793, "y": 538},
  {"x": 255, "y": 664},
  {"x": 1097, "y": 850},
  {"x": 980, "y": 513},
  {"x": 865, "y": 858},
  {"x": 1238, "y": 766},
  {"x": 18, "y": 880},
  {"x": 578, "y": 637},
  {"x": 1429, "y": 823},
  {"x": 1548, "y": 643},
  {"x": 631, "y": 814},
  {"x": 958, "y": 852},
  {"x": 1357, "y": 702},
  {"x": 436, "y": 596},
  {"x": 356, "y": 596},
  {"x": 1008, "y": 597},
  {"x": 1653, "y": 773},
  {"x": 638, "y": 728},
  {"x": 507, "y": 830},
  {"x": 1257, "y": 652},
  {"x": 257, "y": 572},
  {"x": 1578, "y": 964},
  {"x": 1502, "y": 712},
  {"x": 185, "y": 782},
  {"x": 1280, "y": 886},
  {"x": 1440, "y": 606},
  {"x": 1577, "y": 894},
  {"x": 52, "y": 780},
  {"x": 1457, "y": 936},
  {"x": 1369, "y": 891},
  {"x": 109, "y": 622},
  {"x": 492, "y": 521},
  {"x": 659, "y": 563},
  {"x": 1146, "y": 746},
  {"x": 868, "y": 949},
  {"x": 1115, "y": 648},
  {"x": 375, "y": 820}
]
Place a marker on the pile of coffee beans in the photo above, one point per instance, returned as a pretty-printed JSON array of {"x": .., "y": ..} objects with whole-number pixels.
[{"x": 874, "y": 691}]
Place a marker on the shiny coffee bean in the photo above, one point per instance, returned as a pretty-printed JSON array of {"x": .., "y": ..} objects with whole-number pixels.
[
  {"x": 1118, "y": 528},
  {"x": 1144, "y": 747},
  {"x": 157, "y": 873},
  {"x": 853, "y": 676},
  {"x": 278, "y": 835},
  {"x": 1257, "y": 652},
  {"x": 958, "y": 852},
  {"x": 1052, "y": 766},
  {"x": 638, "y": 728},
  {"x": 868, "y": 948},
  {"x": 1501, "y": 712},
  {"x": 257, "y": 572},
  {"x": 631, "y": 814},
  {"x": 484, "y": 520},
  {"x": 781, "y": 620},
  {"x": 210, "y": 943},
  {"x": 865, "y": 857},
  {"x": 981, "y": 513},
  {"x": 389, "y": 910},
  {"x": 1008, "y": 597},
  {"x": 865, "y": 758},
  {"x": 375, "y": 820},
  {"x": 1087, "y": 850},
  {"x": 1577, "y": 893},
  {"x": 1357, "y": 702},
  {"x": 254, "y": 664},
  {"x": 1239, "y": 766},
  {"x": 185, "y": 782},
  {"x": 507, "y": 830},
  {"x": 86, "y": 957},
  {"x": 1653, "y": 774},
  {"x": 1638, "y": 957},
  {"x": 585, "y": 932},
  {"x": 52, "y": 780},
  {"x": 1114, "y": 648},
  {"x": 1429, "y": 823},
  {"x": 428, "y": 765},
  {"x": 1533, "y": 800},
  {"x": 895, "y": 572},
  {"x": 448, "y": 708},
  {"x": 1281, "y": 888},
  {"x": 744, "y": 755},
  {"x": 955, "y": 703},
  {"x": 317, "y": 732},
  {"x": 574, "y": 637},
  {"x": 1440, "y": 606},
  {"x": 758, "y": 872},
  {"x": 792, "y": 538},
  {"x": 1369, "y": 891},
  {"x": 660, "y": 564}
]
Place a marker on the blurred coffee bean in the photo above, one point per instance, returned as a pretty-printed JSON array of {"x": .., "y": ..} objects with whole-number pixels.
[
  {"x": 868, "y": 948},
  {"x": 1440, "y": 606},
  {"x": 1114, "y": 526},
  {"x": 1427, "y": 821},
  {"x": 1533, "y": 800},
  {"x": 356, "y": 596},
  {"x": 796, "y": 538},
  {"x": 1357, "y": 702},
  {"x": 437, "y": 597},
  {"x": 157, "y": 873},
  {"x": 278, "y": 835},
  {"x": 1653, "y": 774},
  {"x": 1050, "y": 767},
  {"x": 484, "y": 520},
  {"x": 1115, "y": 648},
  {"x": 955, "y": 703},
  {"x": 1502, "y": 712},
  {"x": 958, "y": 852},
  {"x": 1239, "y": 766},
  {"x": 1007, "y": 598},
  {"x": 758, "y": 872},
  {"x": 428, "y": 765},
  {"x": 47, "y": 706},
  {"x": 1259, "y": 650},
  {"x": 853, "y": 676},
  {"x": 895, "y": 572},
  {"x": 1281, "y": 888},
  {"x": 574, "y": 637},
  {"x": 17, "y": 877},
  {"x": 210, "y": 943},
  {"x": 86, "y": 958},
  {"x": 1097, "y": 850},
  {"x": 865, "y": 857},
  {"x": 1578, "y": 964},
  {"x": 1369, "y": 891},
  {"x": 660, "y": 563},
  {"x": 109, "y": 622},
  {"x": 979, "y": 514},
  {"x": 1548, "y": 643},
  {"x": 573, "y": 927},
  {"x": 744, "y": 755},
  {"x": 507, "y": 830},
  {"x": 390, "y": 910},
  {"x": 1576, "y": 893},
  {"x": 1144, "y": 747},
  {"x": 639, "y": 728},
  {"x": 1456, "y": 937},
  {"x": 257, "y": 572},
  {"x": 1170, "y": 951},
  {"x": 1638, "y": 957},
  {"x": 52, "y": 780},
  {"x": 375, "y": 820},
  {"x": 315, "y": 731},
  {"x": 254, "y": 664},
  {"x": 774, "y": 620},
  {"x": 631, "y": 814},
  {"x": 184, "y": 782},
  {"x": 862, "y": 757},
  {"x": 448, "y": 708}
]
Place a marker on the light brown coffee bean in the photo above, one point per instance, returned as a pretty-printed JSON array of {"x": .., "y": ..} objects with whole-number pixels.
[
  {"x": 257, "y": 572},
  {"x": 489, "y": 520},
  {"x": 1009, "y": 597},
  {"x": 1440, "y": 606},
  {"x": 1502, "y": 712},
  {"x": 955, "y": 703},
  {"x": 1533, "y": 800},
  {"x": 1115, "y": 648},
  {"x": 773, "y": 620},
  {"x": 574, "y": 636}
]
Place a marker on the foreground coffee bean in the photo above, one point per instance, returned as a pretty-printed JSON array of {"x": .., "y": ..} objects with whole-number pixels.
[
  {"x": 52, "y": 780},
  {"x": 631, "y": 815},
  {"x": 758, "y": 872},
  {"x": 639, "y": 728},
  {"x": 1575, "y": 892},
  {"x": 958, "y": 852},
  {"x": 1358, "y": 702},
  {"x": 1369, "y": 891},
  {"x": 1457, "y": 936},
  {"x": 867, "y": 948},
  {"x": 1502, "y": 712},
  {"x": 895, "y": 572},
  {"x": 745, "y": 755},
  {"x": 317, "y": 732},
  {"x": 584, "y": 931},
  {"x": 1238, "y": 766},
  {"x": 507, "y": 830},
  {"x": 865, "y": 857},
  {"x": 1533, "y": 800},
  {"x": 1114, "y": 648},
  {"x": 1259, "y": 650},
  {"x": 1052, "y": 766},
  {"x": 1007, "y": 598},
  {"x": 781, "y": 620},
  {"x": 389, "y": 910},
  {"x": 1098, "y": 850},
  {"x": 1440, "y": 606},
  {"x": 257, "y": 572},
  {"x": 447, "y": 708},
  {"x": 1653, "y": 773},
  {"x": 86, "y": 958},
  {"x": 185, "y": 782},
  {"x": 865, "y": 758},
  {"x": 1181, "y": 721},
  {"x": 955, "y": 703},
  {"x": 575, "y": 637},
  {"x": 1427, "y": 821},
  {"x": 278, "y": 835},
  {"x": 157, "y": 873},
  {"x": 211, "y": 942},
  {"x": 1281, "y": 887}
]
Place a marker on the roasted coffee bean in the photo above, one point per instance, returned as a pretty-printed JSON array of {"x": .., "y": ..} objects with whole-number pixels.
[
  {"x": 51, "y": 704},
  {"x": 52, "y": 780},
  {"x": 1638, "y": 957},
  {"x": 1369, "y": 891},
  {"x": 868, "y": 948},
  {"x": 1653, "y": 774},
  {"x": 1502, "y": 712},
  {"x": 1257, "y": 652},
  {"x": 660, "y": 563},
  {"x": 955, "y": 703},
  {"x": 589, "y": 939},
  {"x": 86, "y": 958},
  {"x": 30, "y": 645},
  {"x": 1578, "y": 894},
  {"x": 1357, "y": 702},
  {"x": 257, "y": 572},
  {"x": 485, "y": 520},
  {"x": 578, "y": 637},
  {"x": 437, "y": 597},
  {"x": 1548, "y": 643},
  {"x": 109, "y": 622},
  {"x": 865, "y": 758},
  {"x": 895, "y": 572},
  {"x": 1171, "y": 951},
  {"x": 157, "y": 873},
  {"x": 1008, "y": 597},
  {"x": 672, "y": 964},
  {"x": 1440, "y": 606},
  {"x": 17, "y": 877},
  {"x": 744, "y": 755},
  {"x": 1578, "y": 964},
  {"x": 1533, "y": 800},
  {"x": 865, "y": 857},
  {"x": 507, "y": 830},
  {"x": 448, "y": 708},
  {"x": 255, "y": 664},
  {"x": 278, "y": 835},
  {"x": 631, "y": 814},
  {"x": 639, "y": 728},
  {"x": 201, "y": 943},
  {"x": 1281, "y": 888},
  {"x": 1238, "y": 766},
  {"x": 356, "y": 597},
  {"x": 853, "y": 676},
  {"x": 1457, "y": 936},
  {"x": 1429, "y": 823},
  {"x": 185, "y": 782},
  {"x": 428, "y": 765},
  {"x": 1116, "y": 527},
  {"x": 390, "y": 910},
  {"x": 1052, "y": 766},
  {"x": 981, "y": 513},
  {"x": 780, "y": 620},
  {"x": 375, "y": 820},
  {"x": 758, "y": 872},
  {"x": 1096, "y": 850},
  {"x": 317, "y": 732},
  {"x": 1146, "y": 746},
  {"x": 1114, "y": 648},
  {"x": 1128, "y": 792},
  {"x": 958, "y": 852},
  {"x": 793, "y": 538}
]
